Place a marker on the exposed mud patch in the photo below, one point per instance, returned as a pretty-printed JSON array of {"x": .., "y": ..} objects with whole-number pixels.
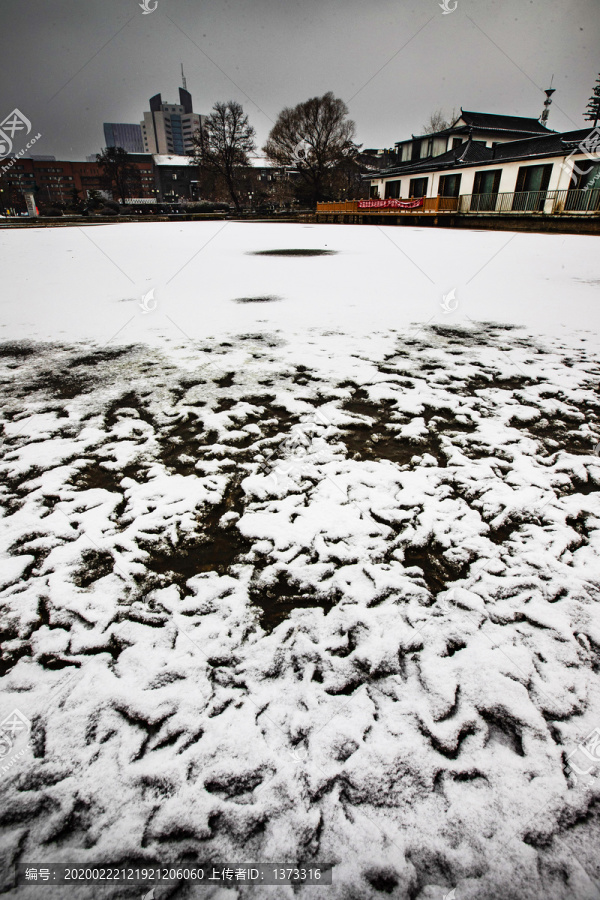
[
  {"x": 182, "y": 444},
  {"x": 123, "y": 405},
  {"x": 277, "y": 598},
  {"x": 63, "y": 384},
  {"x": 379, "y": 438},
  {"x": 438, "y": 570},
  {"x": 213, "y": 547},
  {"x": 17, "y": 349},
  {"x": 95, "y": 564},
  {"x": 100, "y": 356}
]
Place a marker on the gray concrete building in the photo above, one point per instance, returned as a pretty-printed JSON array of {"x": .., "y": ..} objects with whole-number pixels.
[{"x": 168, "y": 128}]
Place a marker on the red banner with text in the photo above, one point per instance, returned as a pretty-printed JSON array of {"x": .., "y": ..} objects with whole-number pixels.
[{"x": 390, "y": 204}]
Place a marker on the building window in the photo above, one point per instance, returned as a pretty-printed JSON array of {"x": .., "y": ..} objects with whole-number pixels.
[
  {"x": 531, "y": 187},
  {"x": 418, "y": 187},
  {"x": 449, "y": 186},
  {"x": 374, "y": 192},
  {"x": 533, "y": 178},
  {"x": 416, "y": 150},
  {"x": 392, "y": 190},
  {"x": 456, "y": 142},
  {"x": 485, "y": 190}
]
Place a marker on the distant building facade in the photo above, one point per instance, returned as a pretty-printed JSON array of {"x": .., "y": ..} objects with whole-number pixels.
[
  {"x": 121, "y": 134},
  {"x": 176, "y": 177},
  {"x": 52, "y": 182},
  {"x": 168, "y": 128}
]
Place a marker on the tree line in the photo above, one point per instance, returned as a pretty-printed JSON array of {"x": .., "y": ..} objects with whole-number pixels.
[{"x": 314, "y": 139}]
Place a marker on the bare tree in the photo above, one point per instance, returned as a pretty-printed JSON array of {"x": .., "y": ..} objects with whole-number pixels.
[
  {"x": 120, "y": 175},
  {"x": 222, "y": 146},
  {"x": 281, "y": 192},
  {"x": 316, "y": 138},
  {"x": 438, "y": 121},
  {"x": 348, "y": 181}
]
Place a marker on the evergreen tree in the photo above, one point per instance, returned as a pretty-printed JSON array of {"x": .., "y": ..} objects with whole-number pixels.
[
  {"x": 76, "y": 203},
  {"x": 592, "y": 112},
  {"x": 94, "y": 200}
]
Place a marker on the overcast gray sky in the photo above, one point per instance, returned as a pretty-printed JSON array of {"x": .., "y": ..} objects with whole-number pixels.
[{"x": 70, "y": 65}]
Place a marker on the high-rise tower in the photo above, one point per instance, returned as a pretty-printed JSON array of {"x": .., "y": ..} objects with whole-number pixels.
[{"x": 168, "y": 128}]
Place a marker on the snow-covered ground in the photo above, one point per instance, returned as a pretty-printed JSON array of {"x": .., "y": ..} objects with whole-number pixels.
[{"x": 301, "y": 556}]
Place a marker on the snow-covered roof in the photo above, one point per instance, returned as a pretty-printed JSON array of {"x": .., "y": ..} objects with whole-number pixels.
[
  {"x": 172, "y": 160},
  {"x": 260, "y": 162}
]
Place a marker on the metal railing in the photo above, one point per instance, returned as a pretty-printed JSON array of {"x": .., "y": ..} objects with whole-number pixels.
[
  {"x": 546, "y": 202},
  {"x": 586, "y": 202}
]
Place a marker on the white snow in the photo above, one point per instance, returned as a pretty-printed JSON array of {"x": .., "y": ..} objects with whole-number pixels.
[{"x": 313, "y": 578}]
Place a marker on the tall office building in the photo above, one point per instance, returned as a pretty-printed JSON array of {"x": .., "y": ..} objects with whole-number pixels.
[
  {"x": 168, "y": 128},
  {"x": 121, "y": 134}
]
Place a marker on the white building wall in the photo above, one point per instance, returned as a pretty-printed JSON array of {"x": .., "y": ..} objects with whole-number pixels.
[
  {"x": 560, "y": 179},
  {"x": 467, "y": 180},
  {"x": 148, "y": 134},
  {"x": 162, "y": 142}
]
